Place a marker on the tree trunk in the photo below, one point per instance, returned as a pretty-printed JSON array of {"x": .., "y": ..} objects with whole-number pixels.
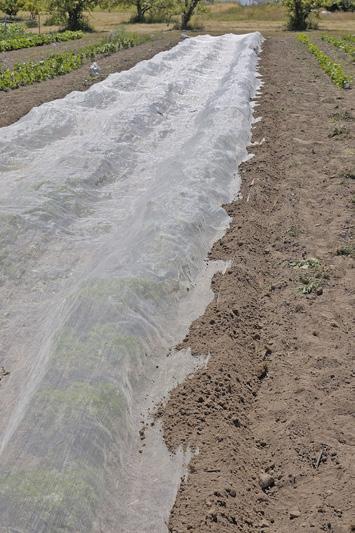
[
  {"x": 140, "y": 11},
  {"x": 75, "y": 18},
  {"x": 190, "y": 6}
]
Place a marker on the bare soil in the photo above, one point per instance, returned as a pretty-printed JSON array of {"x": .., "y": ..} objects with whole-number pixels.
[
  {"x": 271, "y": 417},
  {"x": 16, "y": 103}
]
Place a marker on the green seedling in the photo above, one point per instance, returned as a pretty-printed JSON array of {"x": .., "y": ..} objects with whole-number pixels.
[
  {"x": 312, "y": 262},
  {"x": 342, "y": 115},
  {"x": 347, "y": 249},
  {"x": 338, "y": 130},
  {"x": 309, "y": 286},
  {"x": 313, "y": 278},
  {"x": 294, "y": 232}
]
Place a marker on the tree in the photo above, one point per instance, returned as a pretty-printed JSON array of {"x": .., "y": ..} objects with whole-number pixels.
[
  {"x": 36, "y": 8},
  {"x": 73, "y": 11},
  {"x": 161, "y": 9},
  {"x": 299, "y": 12},
  {"x": 188, "y": 8},
  {"x": 340, "y": 5},
  {"x": 142, "y": 8},
  {"x": 11, "y": 7}
]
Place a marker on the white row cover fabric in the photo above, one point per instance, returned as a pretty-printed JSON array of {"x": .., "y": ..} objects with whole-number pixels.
[{"x": 109, "y": 202}]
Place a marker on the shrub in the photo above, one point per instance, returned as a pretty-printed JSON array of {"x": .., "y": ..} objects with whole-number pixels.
[{"x": 299, "y": 14}]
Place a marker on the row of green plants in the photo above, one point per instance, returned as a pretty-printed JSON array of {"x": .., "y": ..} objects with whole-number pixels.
[
  {"x": 63, "y": 63},
  {"x": 73, "y": 13},
  {"x": 346, "y": 45},
  {"x": 9, "y": 31},
  {"x": 334, "y": 70},
  {"x": 29, "y": 40},
  {"x": 349, "y": 37}
]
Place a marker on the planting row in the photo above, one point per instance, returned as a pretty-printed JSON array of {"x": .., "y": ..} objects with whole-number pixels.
[
  {"x": 8, "y": 31},
  {"x": 346, "y": 46},
  {"x": 349, "y": 37},
  {"x": 334, "y": 70},
  {"x": 29, "y": 40},
  {"x": 59, "y": 64}
]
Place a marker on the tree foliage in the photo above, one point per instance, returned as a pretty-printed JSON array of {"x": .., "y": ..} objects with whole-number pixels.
[
  {"x": 299, "y": 12},
  {"x": 163, "y": 9},
  {"x": 142, "y": 7},
  {"x": 340, "y": 5},
  {"x": 35, "y": 7},
  {"x": 73, "y": 11},
  {"x": 11, "y": 7},
  {"x": 188, "y": 9},
  {"x": 147, "y": 8}
]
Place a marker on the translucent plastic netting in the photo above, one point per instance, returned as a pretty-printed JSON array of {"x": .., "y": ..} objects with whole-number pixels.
[{"x": 110, "y": 200}]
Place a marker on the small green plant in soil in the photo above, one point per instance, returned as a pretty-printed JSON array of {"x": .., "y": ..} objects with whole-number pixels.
[
  {"x": 308, "y": 286},
  {"x": 342, "y": 115},
  {"x": 294, "y": 232},
  {"x": 347, "y": 250},
  {"x": 338, "y": 130},
  {"x": 312, "y": 277},
  {"x": 334, "y": 70},
  {"x": 305, "y": 264}
]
